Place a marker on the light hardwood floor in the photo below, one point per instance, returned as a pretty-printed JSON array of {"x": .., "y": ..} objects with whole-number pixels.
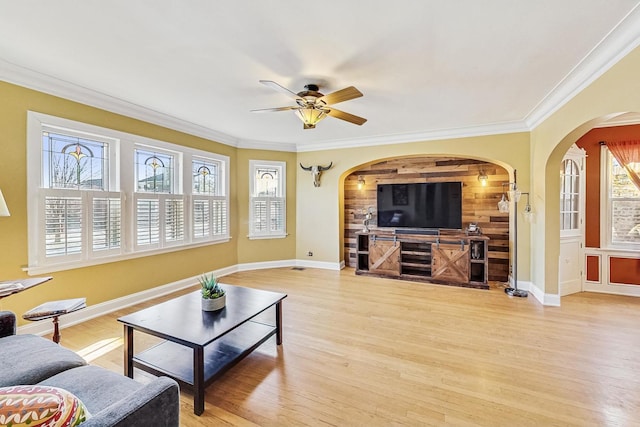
[{"x": 369, "y": 351}]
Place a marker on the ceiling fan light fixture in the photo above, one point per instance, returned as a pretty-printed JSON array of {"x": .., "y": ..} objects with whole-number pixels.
[{"x": 310, "y": 116}]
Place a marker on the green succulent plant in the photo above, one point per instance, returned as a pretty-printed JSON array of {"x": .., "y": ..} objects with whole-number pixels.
[{"x": 210, "y": 287}]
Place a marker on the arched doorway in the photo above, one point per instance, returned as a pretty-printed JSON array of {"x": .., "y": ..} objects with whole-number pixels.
[
  {"x": 607, "y": 266},
  {"x": 479, "y": 205}
]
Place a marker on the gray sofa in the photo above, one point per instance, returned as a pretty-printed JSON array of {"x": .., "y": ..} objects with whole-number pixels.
[{"x": 111, "y": 399}]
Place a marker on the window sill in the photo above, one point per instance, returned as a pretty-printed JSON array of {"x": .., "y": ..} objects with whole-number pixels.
[
  {"x": 50, "y": 268},
  {"x": 271, "y": 236}
]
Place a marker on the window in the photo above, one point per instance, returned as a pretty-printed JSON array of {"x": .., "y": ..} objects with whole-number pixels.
[
  {"x": 81, "y": 217},
  {"x": 267, "y": 210},
  {"x": 99, "y": 195},
  {"x": 569, "y": 197},
  {"x": 621, "y": 210},
  {"x": 209, "y": 203},
  {"x": 159, "y": 206}
]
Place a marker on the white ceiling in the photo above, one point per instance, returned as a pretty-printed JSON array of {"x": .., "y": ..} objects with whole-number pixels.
[{"x": 428, "y": 69}]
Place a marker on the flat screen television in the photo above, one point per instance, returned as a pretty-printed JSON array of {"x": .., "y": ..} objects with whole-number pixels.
[{"x": 420, "y": 205}]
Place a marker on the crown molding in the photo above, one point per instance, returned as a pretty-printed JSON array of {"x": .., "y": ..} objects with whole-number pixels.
[
  {"x": 618, "y": 43},
  {"x": 612, "y": 48},
  {"x": 452, "y": 133},
  {"x": 53, "y": 86},
  {"x": 619, "y": 122},
  {"x": 30, "y": 79},
  {"x": 267, "y": 145}
]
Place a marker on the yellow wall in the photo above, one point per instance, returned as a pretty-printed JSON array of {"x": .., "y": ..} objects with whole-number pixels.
[
  {"x": 314, "y": 215},
  {"x": 260, "y": 250},
  {"x": 109, "y": 281},
  {"x": 617, "y": 91}
]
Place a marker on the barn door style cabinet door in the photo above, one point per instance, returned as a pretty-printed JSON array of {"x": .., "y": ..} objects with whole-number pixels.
[
  {"x": 455, "y": 259},
  {"x": 384, "y": 253},
  {"x": 450, "y": 262}
]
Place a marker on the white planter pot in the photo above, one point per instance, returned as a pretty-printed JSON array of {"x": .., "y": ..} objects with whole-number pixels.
[{"x": 214, "y": 304}]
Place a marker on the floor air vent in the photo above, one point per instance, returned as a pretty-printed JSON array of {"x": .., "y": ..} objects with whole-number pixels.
[{"x": 298, "y": 268}]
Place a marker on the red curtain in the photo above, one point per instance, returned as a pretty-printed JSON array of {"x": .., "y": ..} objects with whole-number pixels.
[{"x": 627, "y": 152}]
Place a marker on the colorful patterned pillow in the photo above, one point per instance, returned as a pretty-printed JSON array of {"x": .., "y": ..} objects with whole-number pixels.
[{"x": 40, "y": 406}]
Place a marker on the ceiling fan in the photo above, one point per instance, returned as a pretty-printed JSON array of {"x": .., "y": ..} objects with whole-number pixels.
[{"x": 313, "y": 106}]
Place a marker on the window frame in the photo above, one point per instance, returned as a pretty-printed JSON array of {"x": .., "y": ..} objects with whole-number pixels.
[
  {"x": 121, "y": 182},
  {"x": 606, "y": 206},
  {"x": 575, "y": 201},
  {"x": 211, "y": 200},
  {"x": 254, "y": 165},
  {"x": 176, "y": 192}
]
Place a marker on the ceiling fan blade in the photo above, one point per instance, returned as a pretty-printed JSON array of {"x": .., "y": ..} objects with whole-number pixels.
[
  {"x": 279, "y": 88},
  {"x": 346, "y": 116},
  {"x": 268, "y": 110},
  {"x": 340, "y": 96}
]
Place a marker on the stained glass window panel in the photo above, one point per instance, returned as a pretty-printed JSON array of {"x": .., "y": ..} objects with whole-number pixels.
[
  {"x": 266, "y": 182},
  {"x": 154, "y": 172},
  {"x": 205, "y": 175},
  {"x": 73, "y": 162}
]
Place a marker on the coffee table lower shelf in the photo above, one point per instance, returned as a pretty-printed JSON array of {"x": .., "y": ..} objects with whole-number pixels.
[{"x": 177, "y": 361}]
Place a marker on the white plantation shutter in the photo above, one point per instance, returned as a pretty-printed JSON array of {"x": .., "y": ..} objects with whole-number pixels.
[
  {"x": 276, "y": 215},
  {"x": 159, "y": 220},
  {"x": 219, "y": 217},
  {"x": 210, "y": 217},
  {"x": 106, "y": 223},
  {"x": 63, "y": 226},
  {"x": 147, "y": 222},
  {"x": 201, "y": 219},
  {"x": 174, "y": 220},
  {"x": 267, "y": 216},
  {"x": 259, "y": 216},
  {"x": 81, "y": 224}
]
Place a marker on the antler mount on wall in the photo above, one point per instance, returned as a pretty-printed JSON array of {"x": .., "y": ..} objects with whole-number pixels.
[{"x": 316, "y": 171}]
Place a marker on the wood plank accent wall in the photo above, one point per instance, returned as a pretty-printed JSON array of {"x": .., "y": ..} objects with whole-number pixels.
[{"x": 479, "y": 204}]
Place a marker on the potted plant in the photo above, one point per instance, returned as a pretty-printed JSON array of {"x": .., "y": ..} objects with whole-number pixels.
[{"x": 213, "y": 296}]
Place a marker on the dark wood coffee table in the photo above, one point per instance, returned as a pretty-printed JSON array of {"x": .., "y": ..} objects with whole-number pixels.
[{"x": 200, "y": 346}]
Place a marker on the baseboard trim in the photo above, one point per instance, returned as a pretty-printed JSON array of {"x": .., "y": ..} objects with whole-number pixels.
[
  {"x": 537, "y": 293},
  {"x": 319, "y": 264},
  {"x": 266, "y": 264},
  {"x": 543, "y": 298},
  {"x": 44, "y": 327}
]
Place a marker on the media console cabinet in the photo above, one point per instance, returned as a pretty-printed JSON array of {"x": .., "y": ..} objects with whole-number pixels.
[{"x": 454, "y": 258}]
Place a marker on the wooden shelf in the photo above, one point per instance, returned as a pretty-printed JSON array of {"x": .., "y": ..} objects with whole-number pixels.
[
  {"x": 176, "y": 361},
  {"x": 452, "y": 259},
  {"x": 362, "y": 253}
]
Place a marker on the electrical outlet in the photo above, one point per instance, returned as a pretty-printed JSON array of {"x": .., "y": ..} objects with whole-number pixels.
[{"x": 309, "y": 253}]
